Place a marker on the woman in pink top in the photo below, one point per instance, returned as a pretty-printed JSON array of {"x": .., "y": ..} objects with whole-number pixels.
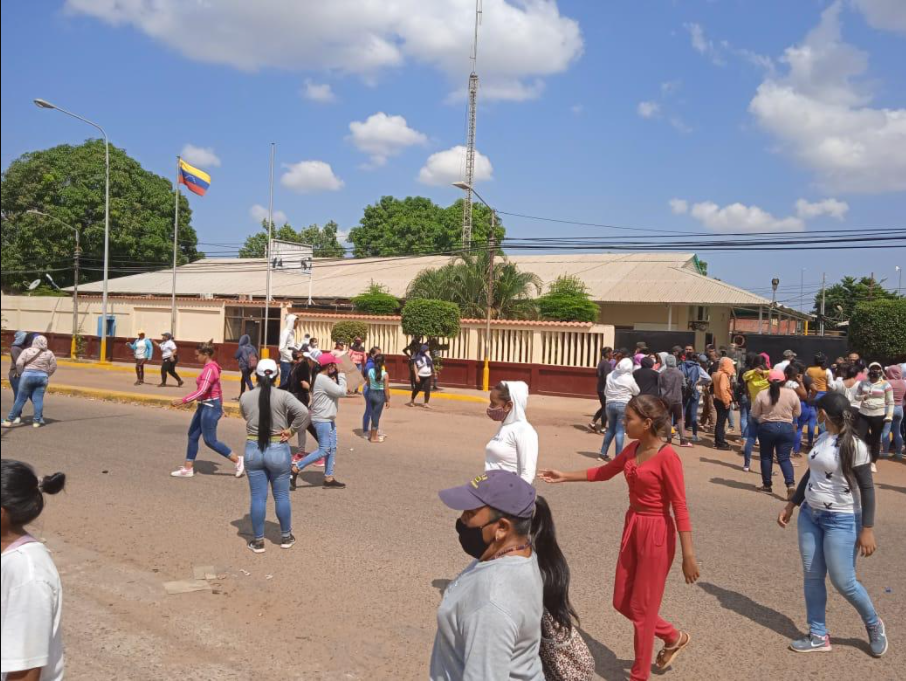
[{"x": 209, "y": 397}]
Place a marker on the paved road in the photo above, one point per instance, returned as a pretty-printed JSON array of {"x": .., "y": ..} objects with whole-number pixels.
[{"x": 356, "y": 597}]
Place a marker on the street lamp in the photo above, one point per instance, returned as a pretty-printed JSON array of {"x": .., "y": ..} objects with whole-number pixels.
[
  {"x": 775, "y": 282},
  {"x": 75, "y": 288},
  {"x": 899, "y": 279},
  {"x": 486, "y": 374},
  {"x": 44, "y": 104}
]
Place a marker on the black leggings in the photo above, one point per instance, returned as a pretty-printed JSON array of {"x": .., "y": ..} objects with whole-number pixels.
[
  {"x": 870, "y": 428},
  {"x": 246, "y": 380},
  {"x": 140, "y": 370},
  {"x": 168, "y": 366},
  {"x": 423, "y": 385},
  {"x": 600, "y": 413}
]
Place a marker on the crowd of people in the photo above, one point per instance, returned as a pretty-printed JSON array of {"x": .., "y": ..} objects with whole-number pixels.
[{"x": 508, "y": 614}]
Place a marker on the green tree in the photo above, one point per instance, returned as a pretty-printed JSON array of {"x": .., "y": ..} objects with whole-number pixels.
[
  {"x": 877, "y": 330},
  {"x": 67, "y": 182},
  {"x": 376, "y": 299},
  {"x": 841, "y": 298},
  {"x": 323, "y": 240},
  {"x": 347, "y": 331},
  {"x": 430, "y": 318},
  {"x": 567, "y": 300},
  {"x": 416, "y": 225},
  {"x": 464, "y": 281}
]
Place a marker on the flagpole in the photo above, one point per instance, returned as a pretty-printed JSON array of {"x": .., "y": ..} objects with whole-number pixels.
[
  {"x": 270, "y": 225},
  {"x": 175, "y": 249}
]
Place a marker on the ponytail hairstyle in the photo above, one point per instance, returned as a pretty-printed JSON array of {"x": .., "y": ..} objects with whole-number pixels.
[
  {"x": 774, "y": 391},
  {"x": 379, "y": 367},
  {"x": 791, "y": 372},
  {"x": 551, "y": 561},
  {"x": 837, "y": 410},
  {"x": 654, "y": 409},
  {"x": 22, "y": 495},
  {"x": 265, "y": 417},
  {"x": 206, "y": 348}
]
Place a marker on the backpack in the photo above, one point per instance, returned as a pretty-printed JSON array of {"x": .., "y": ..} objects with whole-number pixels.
[{"x": 688, "y": 384}]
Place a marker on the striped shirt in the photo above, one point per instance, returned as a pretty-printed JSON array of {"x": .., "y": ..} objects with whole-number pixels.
[{"x": 207, "y": 384}]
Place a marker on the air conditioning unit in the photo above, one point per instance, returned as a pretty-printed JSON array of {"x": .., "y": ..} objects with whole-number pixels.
[{"x": 207, "y": 296}]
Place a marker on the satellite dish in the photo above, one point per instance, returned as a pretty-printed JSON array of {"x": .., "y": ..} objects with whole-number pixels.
[{"x": 35, "y": 284}]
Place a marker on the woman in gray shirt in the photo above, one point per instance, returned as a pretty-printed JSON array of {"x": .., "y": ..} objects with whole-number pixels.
[
  {"x": 271, "y": 416},
  {"x": 489, "y": 622}
]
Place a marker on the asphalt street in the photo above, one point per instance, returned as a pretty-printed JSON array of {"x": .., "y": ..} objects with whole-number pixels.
[{"x": 356, "y": 597}]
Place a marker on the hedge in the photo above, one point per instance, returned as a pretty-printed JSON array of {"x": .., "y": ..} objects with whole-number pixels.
[
  {"x": 346, "y": 332},
  {"x": 376, "y": 300},
  {"x": 430, "y": 318},
  {"x": 567, "y": 300},
  {"x": 877, "y": 330}
]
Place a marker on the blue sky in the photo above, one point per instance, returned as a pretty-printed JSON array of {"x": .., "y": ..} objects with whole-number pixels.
[{"x": 712, "y": 116}]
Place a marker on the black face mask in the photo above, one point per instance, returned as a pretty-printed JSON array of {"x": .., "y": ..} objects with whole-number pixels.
[
  {"x": 471, "y": 539},
  {"x": 874, "y": 375}
]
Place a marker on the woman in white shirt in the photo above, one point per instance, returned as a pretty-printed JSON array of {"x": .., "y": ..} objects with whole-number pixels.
[
  {"x": 32, "y": 600},
  {"x": 619, "y": 389},
  {"x": 515, "y": 446},
  {"x": 168, "y": 355}
]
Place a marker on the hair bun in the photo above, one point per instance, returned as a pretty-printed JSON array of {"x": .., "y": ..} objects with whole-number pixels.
[{"x": 52, "y": 484}]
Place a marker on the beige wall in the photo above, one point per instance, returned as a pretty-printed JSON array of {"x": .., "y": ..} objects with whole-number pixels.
[
  {"x": 195, "y": 320},
  {"x": 654, "y": 317}
]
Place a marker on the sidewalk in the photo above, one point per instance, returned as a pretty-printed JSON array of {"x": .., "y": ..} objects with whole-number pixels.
[{"x": 115, "y": 382}]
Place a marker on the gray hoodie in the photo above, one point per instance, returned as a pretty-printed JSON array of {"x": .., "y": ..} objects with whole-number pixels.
[
  {"x": 672, "y": 380},
  {"x": 37, "y": 358},
  {"x": 325, "y": 397}
]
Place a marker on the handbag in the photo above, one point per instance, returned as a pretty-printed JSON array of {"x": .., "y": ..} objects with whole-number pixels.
[
  {"x": 253, "y": 361},
  {"x": 564, "y": 654}
]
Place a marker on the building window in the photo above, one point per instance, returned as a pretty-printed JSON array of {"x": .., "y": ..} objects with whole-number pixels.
[{"x": 250, "y": 320}]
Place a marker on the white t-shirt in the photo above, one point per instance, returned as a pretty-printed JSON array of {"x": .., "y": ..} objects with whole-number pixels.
[
  {"x": 828, "y": 489},
  {"x": 30, "y": 612},
  {"x": 140, "y": 348},
  {"x": 167, "y": 348},
  {"x": 423, "y": 367},
  {"x": 514, "y": 448}
]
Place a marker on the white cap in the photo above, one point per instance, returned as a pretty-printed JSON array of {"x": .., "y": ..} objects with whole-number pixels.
[{"x": 265, "y": 367}]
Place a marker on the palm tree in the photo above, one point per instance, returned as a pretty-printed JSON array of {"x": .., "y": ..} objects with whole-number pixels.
[{"x": 464, "y": 281}]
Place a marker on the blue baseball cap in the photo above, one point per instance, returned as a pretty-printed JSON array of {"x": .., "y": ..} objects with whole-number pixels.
[{"x": 501, "y": 490}]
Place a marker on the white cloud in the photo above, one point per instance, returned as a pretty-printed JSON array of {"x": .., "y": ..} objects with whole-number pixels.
[
  {"x": 679, "y": 206},
  {"x": 310, "y": 177},
  {"x": 832, "y": 207},
  {"x": 679, "y": 124},
  {"x": 200, "y": 156},
  {"x": 671, "y": 87},
  {"x": 446, "y": 167},
  {"x": 382, "y": 136},
  {"x": 886, "y": 15},
  {"x": 648, "y": 109},
  {"x": 258, "y": 213},
  {"x": 318, "y": 92},
  {"x": 703, "y": 45},
  {"x": 521, "y": 41},
  {"x": 737, "y": 217},
  {"x": 821, "y": 116},
  {"x": 577, "y": 109}
]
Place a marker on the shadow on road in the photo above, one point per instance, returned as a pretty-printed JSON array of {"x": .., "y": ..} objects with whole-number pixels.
[
  {"x": 607, "y": 664},
  {"x": 768, "y": 617},
  {"x": 441, "y": 585},
  {"x": 591, "y": 455},
  {"x": 735, "y": 484},
  {"x": 892, "y": 488},
  {"x": 718, "y": 462},
  {"x": 244, "y": 529},
  {"x": 211, "y": 468}
]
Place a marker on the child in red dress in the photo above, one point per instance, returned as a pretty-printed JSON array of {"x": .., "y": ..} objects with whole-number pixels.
[{"x": 654, "y": 473}]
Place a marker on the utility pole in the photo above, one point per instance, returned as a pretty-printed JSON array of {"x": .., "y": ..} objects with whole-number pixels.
[
  {"x": 821, "y": 311},
  {"x": 265, "y": 352},
  {"x": 871, "y": 287},
  {"x": 492, "y": 244},
  {"x": 75, "y": 297},
  {"x": 470, "y": 140}
]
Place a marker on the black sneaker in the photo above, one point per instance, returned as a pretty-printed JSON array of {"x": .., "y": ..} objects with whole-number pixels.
[
  {"x": 334, "y": 484},
  {"x": 256, "y": 546},
  {"x": 765, "y": 489},
  {"x": 723, "y": 447},
  {"x": 287, "y": 541},
  {"x": 292, "y": 481}
]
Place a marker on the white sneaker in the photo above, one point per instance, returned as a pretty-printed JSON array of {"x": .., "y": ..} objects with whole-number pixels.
[
  {"x": 183, "y": 472},
  {"x": 37, "y": 424},
  {"x": 240, "y": 467},
  {"x": 874, "y": 468}
]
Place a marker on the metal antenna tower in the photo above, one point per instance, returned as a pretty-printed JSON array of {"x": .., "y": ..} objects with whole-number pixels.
[{"x": 470, "y": 140}]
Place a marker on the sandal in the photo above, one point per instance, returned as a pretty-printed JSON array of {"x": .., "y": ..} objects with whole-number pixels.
[{"x": 668, "y": 654}]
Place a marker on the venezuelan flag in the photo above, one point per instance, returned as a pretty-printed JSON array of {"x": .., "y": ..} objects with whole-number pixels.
[{"x": 196, "y": 181}]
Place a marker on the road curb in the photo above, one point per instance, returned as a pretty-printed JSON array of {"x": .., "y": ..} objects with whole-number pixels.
[{"x": 102, "y": 394}]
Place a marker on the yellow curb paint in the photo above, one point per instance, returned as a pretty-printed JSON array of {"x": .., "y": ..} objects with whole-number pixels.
[{"x": 456, "y": 397}]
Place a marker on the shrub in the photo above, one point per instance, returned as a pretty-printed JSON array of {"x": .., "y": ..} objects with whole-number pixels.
[
  {"x": 877, "y": 330},
  {"x": 430, "y": 318},
  {"x": 376, "y": 300},
  {"x": 346, "y": 332},
  {"x": 567, "y": 300}
]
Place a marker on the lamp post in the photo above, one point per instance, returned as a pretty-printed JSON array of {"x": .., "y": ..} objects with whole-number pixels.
[
  {"x": 75, "y": 287},
  {"x": 775, "y": 282},
  {"x": 486, "y": 373},
  {"x": 899, "y": 279},
  {"x": 44, "y": 104}
]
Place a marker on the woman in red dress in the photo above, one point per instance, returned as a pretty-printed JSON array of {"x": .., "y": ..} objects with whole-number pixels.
[{"x": 654, "y": 473}]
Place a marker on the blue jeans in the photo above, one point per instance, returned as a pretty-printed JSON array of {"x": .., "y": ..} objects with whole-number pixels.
[
  {"x": 744, "y": 411},
  {"x": 893, "y": 428},
  {"x": 376, "y": 399},
  {"x": 616, "y": 426},
  {"x": 14, "y": 384},
  {"x": 204, "y": 425},
  {"x": 327, "y": 447},
  {"x": 776, "y": 438},
  {"x": 270, "y": 466},
  {"x": 366, "y": 417},
  {"x": 691, "y": 415},
  {"x": 808, "y": 417},
  {"x": 32, "y": 385},
  {"x": 751, "y": 439},
  {"x": 286, "y": 368},
  {"x": 827, "y": 543}
]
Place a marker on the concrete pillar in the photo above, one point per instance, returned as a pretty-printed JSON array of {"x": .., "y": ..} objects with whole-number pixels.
[{"x": 669, "y": 317}]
